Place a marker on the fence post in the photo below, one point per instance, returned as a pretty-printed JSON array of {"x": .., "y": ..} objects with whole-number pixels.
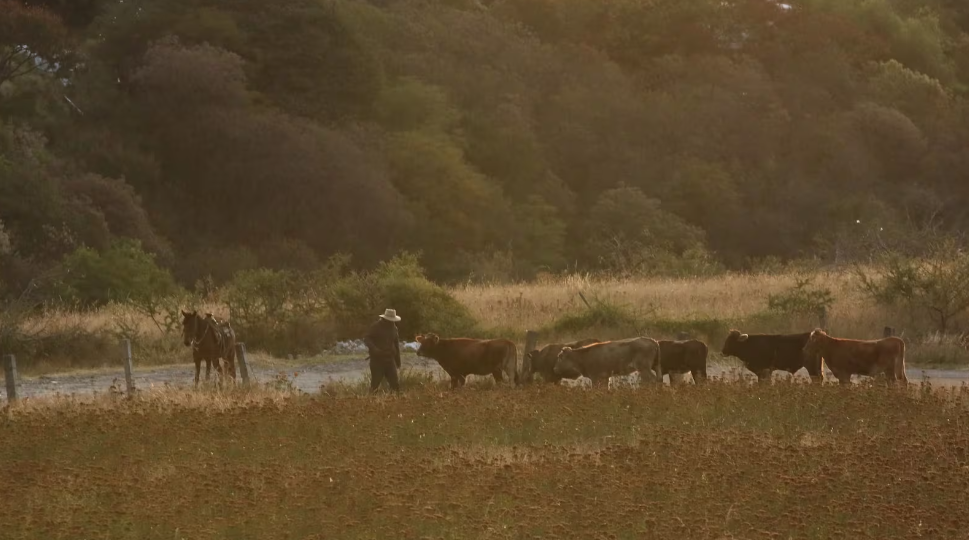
[
  {"x": 889, "y": 331},
  {"x": 126, "y": 360},
  {"x": 531, "y": 343},
  {"x": 10, "y": 374},
  {"x": 243, "y": 361}
]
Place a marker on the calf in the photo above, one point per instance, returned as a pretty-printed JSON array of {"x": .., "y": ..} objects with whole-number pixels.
[
  {"x": 765, "y": 353},
  {"x": 460, "y": 357},
  {"x": 599, "y": 361},
  {"x": 680, "y": 357},
  {"x": 847, "y": 357},
  {"x": 543, "y": 361}
]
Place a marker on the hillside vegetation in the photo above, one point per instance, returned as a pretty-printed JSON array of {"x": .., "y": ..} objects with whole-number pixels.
[{"x": 497, "y": 138}]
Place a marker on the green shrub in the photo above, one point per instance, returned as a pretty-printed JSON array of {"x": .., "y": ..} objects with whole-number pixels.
[
  {"x": 122, "y": 273},
  {"x": 355, "y": 300},
  {"x": 276, "y": 311},
  {"x": 801, "y": 299},
  {"x": 599, "y": 314}
]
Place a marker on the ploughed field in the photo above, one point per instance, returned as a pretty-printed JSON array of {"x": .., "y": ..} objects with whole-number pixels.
[{"x": 724, "y": 460}]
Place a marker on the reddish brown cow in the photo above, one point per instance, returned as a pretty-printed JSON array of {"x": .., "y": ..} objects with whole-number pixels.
[
  {"x": 847, "y": 357},
  {"x": 460, "y": 357}
]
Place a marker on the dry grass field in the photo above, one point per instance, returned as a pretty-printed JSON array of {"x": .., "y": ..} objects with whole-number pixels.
[
  {"x": 704, "y": 307},
  {"x": 726, "y": 460}
]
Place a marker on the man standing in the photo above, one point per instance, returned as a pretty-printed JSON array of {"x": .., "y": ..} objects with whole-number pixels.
[{"x": 384, "y": 345}]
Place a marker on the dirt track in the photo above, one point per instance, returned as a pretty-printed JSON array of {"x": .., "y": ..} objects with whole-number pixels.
[{"x": 310, "y": 377}]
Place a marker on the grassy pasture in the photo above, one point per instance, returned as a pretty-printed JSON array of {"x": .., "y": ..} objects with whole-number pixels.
[
  {"x": 658, "y": 307},
  {"x": 726, "y": 460}
]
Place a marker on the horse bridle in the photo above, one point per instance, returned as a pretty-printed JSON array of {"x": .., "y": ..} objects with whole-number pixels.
[{"x": 196, "y": 341}]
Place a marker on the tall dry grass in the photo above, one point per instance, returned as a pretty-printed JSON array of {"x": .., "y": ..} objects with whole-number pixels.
[
  {"x": 735, "y": 300},
  {"x": 731, "y": 297}
]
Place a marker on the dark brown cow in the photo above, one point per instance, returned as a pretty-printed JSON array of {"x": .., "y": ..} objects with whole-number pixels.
[
  {"x": 847, "y": 357},
  {"x": 680, "y": 357},
  {"x": 600, "y": 361},
  {"x": 764, "y": 353},
  {"x": 460, "y": 357},
  {"x": 543, "y": 361}
]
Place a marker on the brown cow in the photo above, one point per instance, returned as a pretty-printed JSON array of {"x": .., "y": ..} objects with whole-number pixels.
[
  {"x": 847, "y": 357},
  {"x": 543, "y": 361},
  {"x": 460, "y": 357},
  {"x": 680, "y": 357},
  {"x": 600, "y": 361}
]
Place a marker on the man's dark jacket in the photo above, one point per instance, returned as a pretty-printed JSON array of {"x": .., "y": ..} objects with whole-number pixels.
[{"x": 383, "y": 341}]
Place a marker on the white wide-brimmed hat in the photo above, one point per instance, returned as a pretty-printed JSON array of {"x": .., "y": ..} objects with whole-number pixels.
[{"x": 390, "y": 315}]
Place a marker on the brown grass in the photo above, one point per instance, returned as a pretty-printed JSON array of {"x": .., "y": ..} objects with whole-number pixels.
[
  {"x": 720, "y": 461},
  {"x": 730, "y": 300}
]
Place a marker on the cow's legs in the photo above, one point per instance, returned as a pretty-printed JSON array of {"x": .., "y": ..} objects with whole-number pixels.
[
  {"x": 764, "y": 375},
  {"x": 498, "y": 374},
  {"x": 844, "y": 378},
  {"x": 699, "y": 375},
  {"x": 676, "y": 378},
  {"x": 890, "y": 375},
  {"x": 457, "y": 381}
]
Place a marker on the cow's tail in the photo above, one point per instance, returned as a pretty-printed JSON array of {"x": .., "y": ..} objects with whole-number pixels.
[
  {"x": 900, "y": 362},
  {"x": 511, "y": 363}
]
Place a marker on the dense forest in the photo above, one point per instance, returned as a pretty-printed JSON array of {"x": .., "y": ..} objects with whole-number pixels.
[{"x": 496, "y": 138}]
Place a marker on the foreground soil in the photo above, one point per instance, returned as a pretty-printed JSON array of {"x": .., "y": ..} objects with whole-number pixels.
[{"x": 726, "y": 460}]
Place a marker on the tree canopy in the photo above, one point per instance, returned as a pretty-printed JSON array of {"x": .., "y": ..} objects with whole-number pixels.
[{"x": 598, "y": 134}]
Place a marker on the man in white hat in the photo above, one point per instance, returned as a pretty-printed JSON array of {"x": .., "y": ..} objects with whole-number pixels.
[{"x": 384, "y": 345}]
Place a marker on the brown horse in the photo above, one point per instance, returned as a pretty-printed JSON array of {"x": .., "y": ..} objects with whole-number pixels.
[{"x": 210, "y": 340}]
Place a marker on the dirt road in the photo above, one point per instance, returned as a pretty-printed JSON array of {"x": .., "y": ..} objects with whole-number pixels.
[{"x": 310, "y": 377}]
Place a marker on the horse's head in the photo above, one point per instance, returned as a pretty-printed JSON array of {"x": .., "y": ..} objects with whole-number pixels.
[{"x": 191, "y": 324}]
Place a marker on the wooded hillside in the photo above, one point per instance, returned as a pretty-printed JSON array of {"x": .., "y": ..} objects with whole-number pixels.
[{"x": 497, "y": 138}]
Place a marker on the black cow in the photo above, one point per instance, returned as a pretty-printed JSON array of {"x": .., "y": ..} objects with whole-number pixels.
[
  {"x": 681, "y": 357},
  {"x": 765, "y": 353}
]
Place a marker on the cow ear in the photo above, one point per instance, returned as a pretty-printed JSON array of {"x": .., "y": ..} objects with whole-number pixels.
[
  {"x": 566, "y": 349},
  {"x": 419, "y": 338},
  {"x": 435, "y": 339},
  {"x": 743, "y": 337}
]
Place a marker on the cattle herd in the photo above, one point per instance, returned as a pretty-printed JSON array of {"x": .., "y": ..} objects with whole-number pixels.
[{"x": 598, "y": 360}]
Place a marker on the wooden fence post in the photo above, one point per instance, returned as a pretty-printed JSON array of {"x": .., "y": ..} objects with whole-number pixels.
[
  {"x": 126, "y": 360},
  {"x": 243, "y": 361},
  {"x": 10, "y": 374},
  {"x": 531, "y": 343},
  {"x": 889, "y": 331}
]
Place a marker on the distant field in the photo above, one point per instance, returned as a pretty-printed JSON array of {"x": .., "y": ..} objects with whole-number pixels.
[
  {"x": 705, "y": 307},
  {"x": 722, "y": 461}
]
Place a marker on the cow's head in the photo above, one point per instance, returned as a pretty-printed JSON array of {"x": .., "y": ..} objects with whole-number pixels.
[
  {"x": 732, "y": 343},
  {"x": 428, "y": 345},
  {"x": 566, "y": 365},
  {"x": 812, "y": 349}
]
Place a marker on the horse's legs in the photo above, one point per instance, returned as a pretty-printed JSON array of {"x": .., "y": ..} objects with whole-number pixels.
[
  {"x": 208, "y": 368},
  {"x": 198, "y": 368}
]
